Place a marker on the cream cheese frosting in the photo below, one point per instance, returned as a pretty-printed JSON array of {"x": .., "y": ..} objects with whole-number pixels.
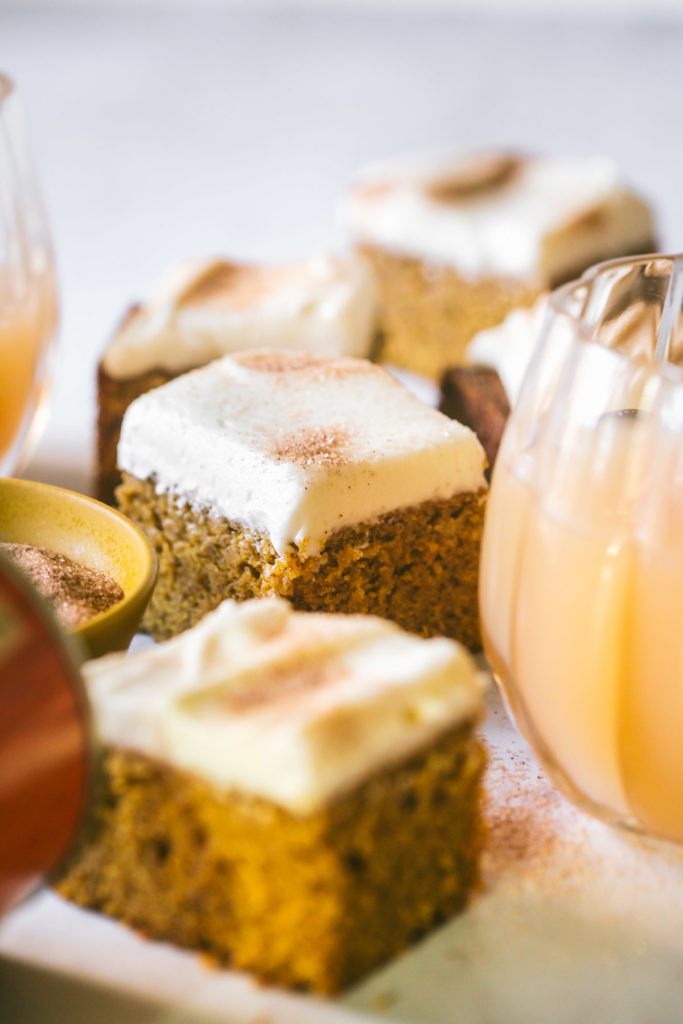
[
  {"x": 295, "y": 446},
  {"x": 293, "y": 707},
  {"x": 537, "y": 218},
  {"x": 327, "y": 304},
  {"x": 509, "y": 346}
]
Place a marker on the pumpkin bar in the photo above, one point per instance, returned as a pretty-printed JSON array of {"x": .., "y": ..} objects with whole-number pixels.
[
  {"x": 296, "y": 795},
  {"x": 321, "y": 480},
  {"x": 457, "y": 241}
]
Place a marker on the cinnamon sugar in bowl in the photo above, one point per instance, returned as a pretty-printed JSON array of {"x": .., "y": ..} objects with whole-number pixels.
[{"x": 93, "y": 536}]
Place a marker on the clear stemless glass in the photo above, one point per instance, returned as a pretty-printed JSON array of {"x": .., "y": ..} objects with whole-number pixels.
[
  {"x": 582, "y": 562},
  {"x": 46, "y": 753},
  {"x": 28, "y": 304}
]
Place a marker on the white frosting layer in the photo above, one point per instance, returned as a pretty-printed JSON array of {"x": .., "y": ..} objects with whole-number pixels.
[
  {"x": 509, "y": 346},
  {"x": 497, "y": 215},
  {"x": 289, "y": 706},
  {"x": 327, "y": 304},
  {"x": 295, "y": 446}
]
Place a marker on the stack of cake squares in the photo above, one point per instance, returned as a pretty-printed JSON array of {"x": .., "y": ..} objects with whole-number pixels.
[{"x": 291, "y": 777}]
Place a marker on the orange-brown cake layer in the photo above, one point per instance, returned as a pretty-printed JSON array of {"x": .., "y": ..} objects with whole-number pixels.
[
  {"x": 417, "y": 565},
  {"x": 308, "y": 902}
]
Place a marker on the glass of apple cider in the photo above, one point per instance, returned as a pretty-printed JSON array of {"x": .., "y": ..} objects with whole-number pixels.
[
  {"x": 581, "y": 585},
  {"x": 28, "y": 305}
]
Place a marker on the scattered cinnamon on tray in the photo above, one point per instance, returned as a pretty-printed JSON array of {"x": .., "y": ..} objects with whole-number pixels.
[
  {"x": 521, "y": 815},
  {"x": 75, "y": 592}
]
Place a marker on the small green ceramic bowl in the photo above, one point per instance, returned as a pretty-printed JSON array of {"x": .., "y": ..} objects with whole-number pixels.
[{"x": 93, "y": 534}]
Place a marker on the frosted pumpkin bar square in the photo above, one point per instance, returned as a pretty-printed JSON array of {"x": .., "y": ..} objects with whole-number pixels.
[
  {"x": 459, "y": 240},
  {"x": 321, "y": 480},
  {"x": 295, "y": 794}
]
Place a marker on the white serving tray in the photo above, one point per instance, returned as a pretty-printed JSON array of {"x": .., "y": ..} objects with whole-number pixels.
[{"x": 575, "y": 923}]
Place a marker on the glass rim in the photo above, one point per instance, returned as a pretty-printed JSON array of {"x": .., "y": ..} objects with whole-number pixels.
[
  {"x": 7, "y": 86},
  {"x": 560, "y": 297}
]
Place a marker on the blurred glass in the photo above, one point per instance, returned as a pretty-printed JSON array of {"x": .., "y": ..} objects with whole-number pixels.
[
  {"x": 28, "y": 303},
  {"x": 45, "y": 744},
  {"x": 582, "y": 562}
]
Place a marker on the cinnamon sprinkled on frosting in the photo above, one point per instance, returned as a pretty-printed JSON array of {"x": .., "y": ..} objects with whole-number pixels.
[
  {"x": 235, "y": 285},
  {"x": 322, "y": 367},
  {"x": 475, "y": 178},
  {"x": 273, "y": 361},
  {"x": 284, "y": 684},
  {"x": 324, "y": 446}
]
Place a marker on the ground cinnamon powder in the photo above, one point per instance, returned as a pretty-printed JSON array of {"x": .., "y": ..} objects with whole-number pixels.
[
  {"x": 520, "y": 811},
  {"x": 75, "y": 592}
]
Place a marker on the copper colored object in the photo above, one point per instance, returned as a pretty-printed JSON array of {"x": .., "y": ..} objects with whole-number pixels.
[
  {"x": 475, "y": 396},
  {"x": 45, "y": 757}
]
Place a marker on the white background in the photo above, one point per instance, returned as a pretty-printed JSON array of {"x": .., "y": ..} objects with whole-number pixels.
[
  {"x": 617, "y": 9},
  {"x": 166, "y": 134}
]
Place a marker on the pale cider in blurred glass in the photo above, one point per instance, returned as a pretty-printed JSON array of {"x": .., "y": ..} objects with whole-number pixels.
[
  {"x": 26, "y": 333},
  {"x": 28, "y": 303},
  {"x": 582, "y": 562}
]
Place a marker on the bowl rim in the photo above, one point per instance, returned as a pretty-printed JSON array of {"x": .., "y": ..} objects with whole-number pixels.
[{"x": 149, "y": 564}]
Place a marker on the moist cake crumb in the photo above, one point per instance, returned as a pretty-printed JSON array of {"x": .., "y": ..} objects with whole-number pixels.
[
  {"x": 292, "y": 794},
  {"x": 75, "y": 592}
]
